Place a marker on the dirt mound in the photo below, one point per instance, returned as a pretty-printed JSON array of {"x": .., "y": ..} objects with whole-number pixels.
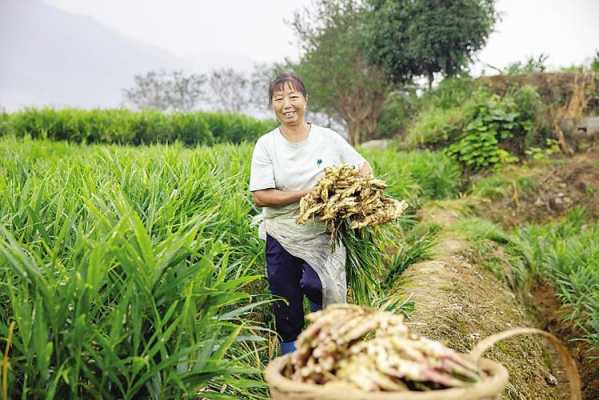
[
  {"x": 555, "y": 88},
  {"x": 459, "y": 303},
  {"x": 554, "y": 191}
]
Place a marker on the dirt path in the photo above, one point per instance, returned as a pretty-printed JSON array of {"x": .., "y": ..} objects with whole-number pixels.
[{"x": 460, "y": 303}]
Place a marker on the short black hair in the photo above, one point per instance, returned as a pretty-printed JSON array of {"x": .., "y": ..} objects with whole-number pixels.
[{"x": 279, "y": 83}]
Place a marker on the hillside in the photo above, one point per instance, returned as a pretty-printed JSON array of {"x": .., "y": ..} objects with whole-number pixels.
[
  {"x": 513, "y": 252},
  {"x": 84, "y": 62}
]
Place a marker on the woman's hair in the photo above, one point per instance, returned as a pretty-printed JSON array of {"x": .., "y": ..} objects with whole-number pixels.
[{"x": 279, "y": 83}]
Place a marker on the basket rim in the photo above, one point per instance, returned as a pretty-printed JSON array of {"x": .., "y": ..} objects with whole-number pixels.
[{"x": 492, "y": 385}]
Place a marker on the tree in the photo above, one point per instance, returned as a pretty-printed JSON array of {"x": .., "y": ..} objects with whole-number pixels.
[
  {"x": 230, "y": 90},
  {"x": 339, "y": 80},
  {"x": 166, "y": 91},
  {"x": 410, "y": 38}
]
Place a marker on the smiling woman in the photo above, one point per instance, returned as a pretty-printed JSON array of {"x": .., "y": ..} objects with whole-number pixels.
[{"x": 286, "y": 164}]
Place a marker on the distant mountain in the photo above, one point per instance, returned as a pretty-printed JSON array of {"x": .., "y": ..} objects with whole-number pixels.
[{"x": 51, "y": 57}]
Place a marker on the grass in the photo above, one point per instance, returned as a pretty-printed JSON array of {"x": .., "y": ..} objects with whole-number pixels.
[
  {"x": 135, "y": 272},
  {"x": 564, "y": 254}
]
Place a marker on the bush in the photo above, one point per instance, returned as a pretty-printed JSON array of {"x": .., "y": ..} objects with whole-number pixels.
[
  {"x": 121, "y": 126},
  {"x": 3, "y": 122},
  {"x": 481, "y": 129},
  {"x": 436, "y": 127},
  {"x": 394, "y": 117},
  {"x": 595, "y": 62},
  {"x": 451, "y": 92},
  {"x": 529, "y": 104},
  {"x": 495, "y": 121}
]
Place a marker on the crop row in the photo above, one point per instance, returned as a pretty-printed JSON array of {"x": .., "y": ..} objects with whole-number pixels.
[
  {"x": 120, "y": 126},
  {"x": 135, "y": 272}
]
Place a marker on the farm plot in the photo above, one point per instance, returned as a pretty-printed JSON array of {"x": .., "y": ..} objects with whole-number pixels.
[{"x": 136, "y": 273}]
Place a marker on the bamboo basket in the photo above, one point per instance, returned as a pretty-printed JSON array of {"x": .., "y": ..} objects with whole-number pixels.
[{"x": 496, "y": 378}]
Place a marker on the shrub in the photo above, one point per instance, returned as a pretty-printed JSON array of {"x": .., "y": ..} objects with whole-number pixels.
[
  {"x": 595, "y": 62},
  {"x": 494, "y": 121},
  {"x": 436, "y": 126},
  {"x": 534, "y": 113},
  {"x": 394, "y": 117},
  {"x": 451, "y": 92},
  {"x": 4, "y": 122},
  {"x": 445, "y": 111}
]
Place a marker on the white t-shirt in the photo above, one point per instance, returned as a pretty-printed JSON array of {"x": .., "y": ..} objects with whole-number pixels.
[{"x": 280, "y": 164}]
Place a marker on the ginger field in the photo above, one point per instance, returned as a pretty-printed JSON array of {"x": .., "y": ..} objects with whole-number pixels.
[{"x": 135, "y": 272}]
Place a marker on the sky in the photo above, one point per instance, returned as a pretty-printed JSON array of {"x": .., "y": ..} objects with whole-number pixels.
[
  {"x": 204, "y": 33},
  {"x": 239, "y": 33}
]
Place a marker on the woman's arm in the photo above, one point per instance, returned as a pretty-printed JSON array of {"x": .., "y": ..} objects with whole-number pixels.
[{"x": 277, "y": 198}]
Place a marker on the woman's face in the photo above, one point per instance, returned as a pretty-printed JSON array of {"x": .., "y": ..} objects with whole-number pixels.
[{"x": 289, "y": 105}]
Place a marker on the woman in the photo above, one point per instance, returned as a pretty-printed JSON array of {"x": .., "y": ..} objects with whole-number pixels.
[{"x": 286, "y": 164}]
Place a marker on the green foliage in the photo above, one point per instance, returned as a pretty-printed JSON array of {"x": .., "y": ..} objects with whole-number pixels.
[
  {"x": 532, "y": 109},
  {"x": 538, "y": 153},
  {"x": 445, "y": 111},
  {"x": 121, "y": 126},
  {"x": 415, "y": 176},
  {"x": 480, "y": 129},
  {"x": 397, "y": 110},
  {"x": 126, "y": 271},
  {"x": 3, "y": 122},
  {"x": 236, "y": 128},
  {"x": 133, "y": 272},
  {"x": 564, "y": 254},
  {"x": 531, "y": 65},
  {"x": 413, "y": 38},
  {"x": 496, "y": 186},
  {"x": 438, "y": 126},
  {"x": 595, "y": 62},
  {"x": 495, "y": 121},
  {"x": 450, "y": 92},
  {"x": 418, "y": 246}
]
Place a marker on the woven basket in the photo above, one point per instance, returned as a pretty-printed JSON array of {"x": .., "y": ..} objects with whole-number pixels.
[{"x": 490, "y": 388}]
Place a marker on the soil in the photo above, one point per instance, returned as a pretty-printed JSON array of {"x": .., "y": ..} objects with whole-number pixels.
[
  {"x": 460, "y": 303},
  {"x": 555, "y": 190}
]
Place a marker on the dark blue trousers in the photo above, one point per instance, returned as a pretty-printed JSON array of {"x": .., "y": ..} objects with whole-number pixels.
[{"x": 291, "y": 278}]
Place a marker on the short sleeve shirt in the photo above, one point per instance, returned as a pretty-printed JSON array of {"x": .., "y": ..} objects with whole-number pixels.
[{"x": 280, "y": 164}]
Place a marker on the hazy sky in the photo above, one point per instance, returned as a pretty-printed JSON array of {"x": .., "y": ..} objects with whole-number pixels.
[{"x": 210, "y": 33}]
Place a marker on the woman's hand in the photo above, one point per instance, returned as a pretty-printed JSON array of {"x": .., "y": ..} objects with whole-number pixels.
[{"x": 365, "y": 169}]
